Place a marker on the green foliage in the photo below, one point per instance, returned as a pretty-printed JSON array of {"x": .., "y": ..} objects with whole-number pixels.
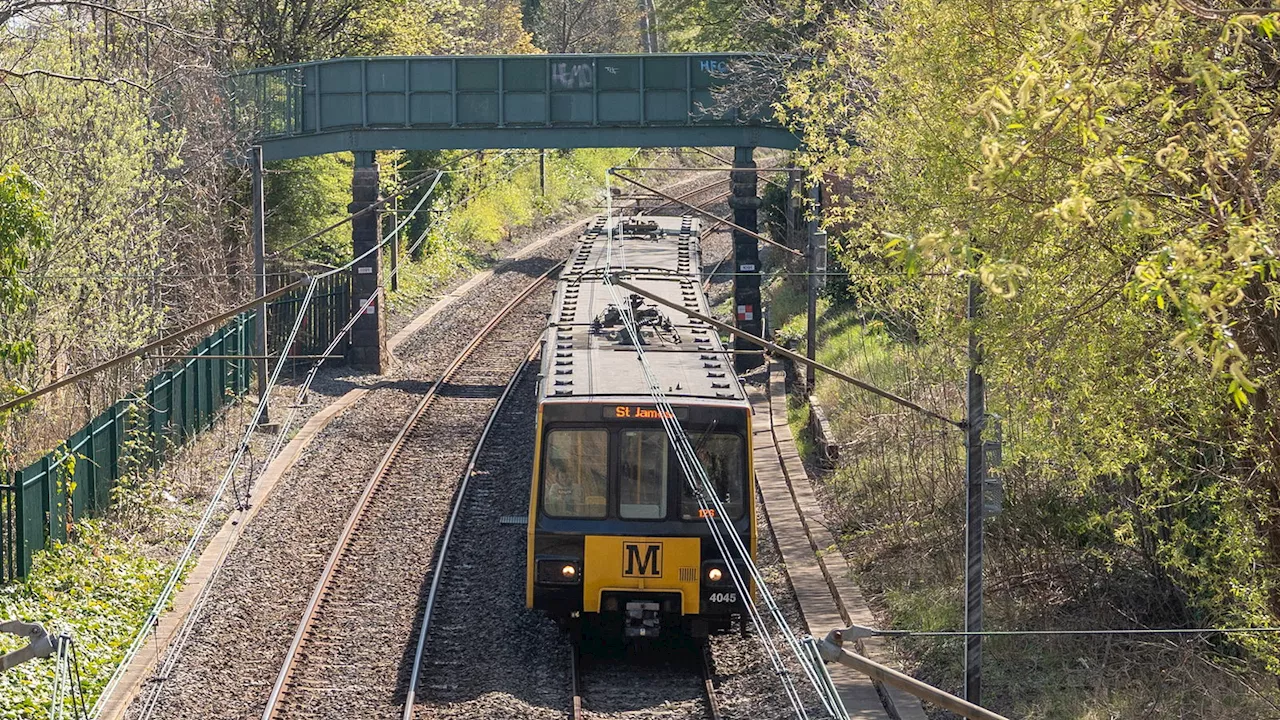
[
  {"x": 506, "y": 192},
  {"x": 101, "y": 589},
  {"x": 304, "y": 196},
  {"x": 24, "y": 230},
  {"x": 106, "y": 173},
  {"x": 1104, "y": 169}
]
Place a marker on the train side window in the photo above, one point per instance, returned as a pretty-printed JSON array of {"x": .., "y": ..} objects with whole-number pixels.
[
  {"x": 642, "y": 477},
  {"x": 575, "y": 475},
  {"x": 721, "y": 456}
]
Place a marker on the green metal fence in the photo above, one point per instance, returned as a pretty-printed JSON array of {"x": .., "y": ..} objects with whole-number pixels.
[
  {"x": 329, "y": 309},
  {"x": 76, "y": 480}
]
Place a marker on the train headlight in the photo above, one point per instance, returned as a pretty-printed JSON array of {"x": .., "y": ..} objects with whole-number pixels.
[
  {"x": 716, "y": 573},
  {"x": 559, "y": 571}
]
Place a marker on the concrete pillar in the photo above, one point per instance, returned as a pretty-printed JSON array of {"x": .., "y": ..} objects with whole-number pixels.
[
  {"x": 368, "y": 335},
  {"x": 746, "y": 258}
]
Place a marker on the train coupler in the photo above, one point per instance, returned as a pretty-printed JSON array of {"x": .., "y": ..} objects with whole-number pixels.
[{"x": 642, "y": 619}]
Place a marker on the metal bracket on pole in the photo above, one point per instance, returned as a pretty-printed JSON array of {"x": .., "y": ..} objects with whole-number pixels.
[
  {"x": 395, "y": 244},
  {"x": 40, "y": 644},
  {"x": 831, "y": 648}
]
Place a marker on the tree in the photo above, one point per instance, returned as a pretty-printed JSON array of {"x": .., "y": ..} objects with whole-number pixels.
[
  {"x": 584, "y": 26},
  {"x": 1107, "y": 170},
  {"x": 24, "y": 230}
]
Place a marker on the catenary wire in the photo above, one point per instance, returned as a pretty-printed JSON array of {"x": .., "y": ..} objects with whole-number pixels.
[{"x": 703, "y": 489}]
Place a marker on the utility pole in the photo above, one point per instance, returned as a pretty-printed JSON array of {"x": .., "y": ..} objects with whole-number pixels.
[
  {"x": 746, "y": 256},
  {"x": 811, "y": 330},
  {"x": 542, "y": 170},
  {"x": 395, "y": 243},
  {"x": 260, "y": 273},
  {"x": 975, "y": 511}
]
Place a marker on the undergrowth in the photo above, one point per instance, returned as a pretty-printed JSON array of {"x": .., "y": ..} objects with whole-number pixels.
[
  {"x": 99, "y": 588},
  {"x": 897, "y": 493}
]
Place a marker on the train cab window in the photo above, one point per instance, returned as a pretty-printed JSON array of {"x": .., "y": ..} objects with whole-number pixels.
[
  {"x": 575, "y": 475},
  {"x": 642, "y": 478},
  {"x": 721, "y": 456}
]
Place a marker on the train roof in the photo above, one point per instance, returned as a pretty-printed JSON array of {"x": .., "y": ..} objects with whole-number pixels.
[{"x": 587, "y": 353}]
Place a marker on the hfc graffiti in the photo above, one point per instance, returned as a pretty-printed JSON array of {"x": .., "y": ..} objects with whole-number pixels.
[{"x": 577, "y": 76}]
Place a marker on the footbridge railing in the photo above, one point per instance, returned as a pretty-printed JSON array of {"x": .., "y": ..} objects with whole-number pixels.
[{"x": 523, "y": 101}]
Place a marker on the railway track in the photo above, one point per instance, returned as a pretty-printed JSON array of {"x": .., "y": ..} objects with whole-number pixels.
[
  {"x": 628, "y": 686},
  {"x": 362, "y": 599},
  {"x": 361, "y": 669}
]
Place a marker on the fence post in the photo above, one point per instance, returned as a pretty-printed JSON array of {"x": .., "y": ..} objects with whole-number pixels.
[
  {"x": 20, "y": 560},
  {"x": 91, "y": 471},
  {"x": 113, "y": 443},
  {"x": 54, "y": 530},
  {"x": 153, "y": 418},
  {"x": 223, "y": 365}
]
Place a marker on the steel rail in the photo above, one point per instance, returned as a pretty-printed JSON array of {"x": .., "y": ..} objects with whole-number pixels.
[
  {"x": 711, "y": 276},
  {"x": 703, "y": 212},
  {"x": 708, "y": 681},
  {"x": 684, "y": 196},
  {"x": 575, "y": 679},
  {"x": 717, "y": 198},
  {"x": 441, "y": 554},
  {"x": 311, "y": 614},
  {"x": 704, "y": 670}
]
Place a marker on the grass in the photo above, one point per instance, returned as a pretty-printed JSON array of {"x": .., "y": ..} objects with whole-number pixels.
[
  {"x": 101, "y": 586},
  {"x": 441, "y": 261}
]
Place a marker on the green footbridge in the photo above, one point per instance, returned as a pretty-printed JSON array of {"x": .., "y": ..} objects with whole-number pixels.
[
  {"x": 516, "y": 101},
  {"x": 363, "y": 105}
]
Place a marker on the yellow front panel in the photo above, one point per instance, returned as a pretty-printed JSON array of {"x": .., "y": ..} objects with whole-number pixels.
[{"x": 641, "y": 563}]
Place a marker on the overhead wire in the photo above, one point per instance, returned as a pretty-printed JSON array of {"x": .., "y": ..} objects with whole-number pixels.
[
  {"x": 206, "y": 517},
  {"x": 392, "y": 193},
  {"x": 178, "y": 646},
  {"x": 184, "y": 632},
  {"x": 726, "y": 539}
]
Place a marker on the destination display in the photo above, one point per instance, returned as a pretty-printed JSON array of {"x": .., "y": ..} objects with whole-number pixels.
[{"x": 640, "y": 412}]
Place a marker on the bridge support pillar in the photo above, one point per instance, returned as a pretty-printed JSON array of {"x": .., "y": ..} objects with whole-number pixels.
[
  {"x": 746, "y": 258},
  {"x": 368, "y": 335}
]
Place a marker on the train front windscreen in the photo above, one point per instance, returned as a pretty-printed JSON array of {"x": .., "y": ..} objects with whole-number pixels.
[{"x": 649, "y": 481}]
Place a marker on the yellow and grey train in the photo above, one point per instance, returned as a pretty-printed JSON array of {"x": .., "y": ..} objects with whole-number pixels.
[{"x": 616, "y": 539}]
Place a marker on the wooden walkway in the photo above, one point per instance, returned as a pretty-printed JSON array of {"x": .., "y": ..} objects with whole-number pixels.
[{"x": 818, "y": 571}]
